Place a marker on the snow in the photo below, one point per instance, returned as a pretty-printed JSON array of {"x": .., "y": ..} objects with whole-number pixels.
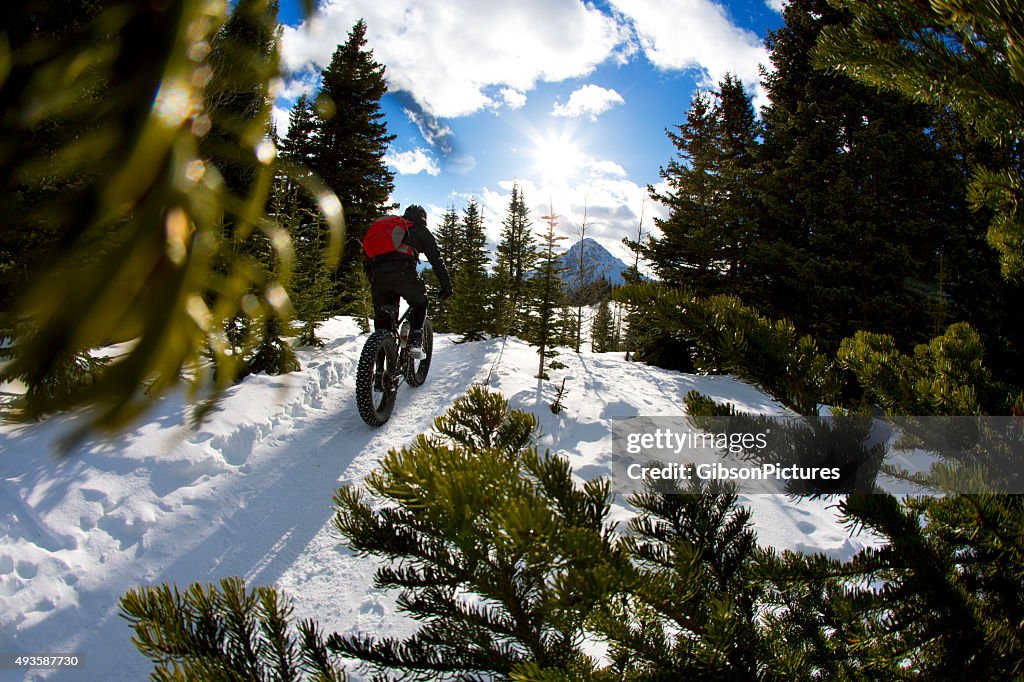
[{"x": 248, "y": 492}]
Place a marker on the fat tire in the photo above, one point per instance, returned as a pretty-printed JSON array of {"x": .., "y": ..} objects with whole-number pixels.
[
  {"x": 416, "y": 372},
  {"x": 376, "y": 410}
]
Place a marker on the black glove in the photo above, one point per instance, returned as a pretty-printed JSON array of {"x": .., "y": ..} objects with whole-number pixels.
[{"x": 447, "y": 293}]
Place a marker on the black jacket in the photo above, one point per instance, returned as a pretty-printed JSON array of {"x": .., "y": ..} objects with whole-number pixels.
[{"x": 420, "y": 239}]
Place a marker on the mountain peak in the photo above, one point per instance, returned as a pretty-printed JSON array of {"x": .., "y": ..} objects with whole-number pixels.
[{"x": 598, "y": 262}]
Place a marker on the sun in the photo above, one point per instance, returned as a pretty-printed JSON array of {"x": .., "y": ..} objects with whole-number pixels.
[{"x": 557, "y": 158}]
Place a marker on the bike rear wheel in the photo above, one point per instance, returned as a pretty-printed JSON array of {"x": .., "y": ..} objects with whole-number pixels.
[
  {"x": 377, "y": 378},
  {"x": 416, "y": 370}
]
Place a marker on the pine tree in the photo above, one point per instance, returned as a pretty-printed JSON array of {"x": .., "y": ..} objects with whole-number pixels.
[
  {"x": 547, "y": 296},
  {"x": 509, "y": 565},
  {"x": 225, "y": 632},
  {"x": 682, "y": 255},
  {"x": 351, "y": 141},
  {"x": 929, "y": 55},
  {"x": 631, "y": 276},
  {"x": 360, "y": 303},
  {"x": 469, "y": 312},
  {"x": 855, "y": 194},
  {"x": 449, "y": 244},
  {"x": 956, "y": 55},
  {"x": 517, "y": 254},
  {"x": 710, "y": 198},
  {"x": 300, "y": 142},
  {"x": 243, "y": 58},
  {"x": 96, "y": 86},
  {"x": 602, "y": 332},
  {"x": 310, "y": 287}
]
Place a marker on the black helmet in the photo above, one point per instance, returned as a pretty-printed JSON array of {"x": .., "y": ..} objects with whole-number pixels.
[{"x": 416, "y": 215}]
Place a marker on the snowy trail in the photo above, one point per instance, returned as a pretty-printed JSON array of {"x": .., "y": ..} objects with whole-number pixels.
[
  {"x": 242, "y": 496},
  {"x": 249, "y": 492}
]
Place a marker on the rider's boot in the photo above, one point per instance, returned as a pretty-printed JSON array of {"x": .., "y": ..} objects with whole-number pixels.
[{"x": 416, "y": 344}]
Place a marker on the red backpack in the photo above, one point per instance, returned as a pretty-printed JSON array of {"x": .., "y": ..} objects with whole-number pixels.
[{"x": 387, "y": 235}]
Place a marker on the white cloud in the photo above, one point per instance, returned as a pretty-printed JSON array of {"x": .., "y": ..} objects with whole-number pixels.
[
  {"x": 448, "y": 55},
  {"x": 590, "y": 100},
  {"x": 696, "y": 34},
  {"x": 436, "y": 133},
  {"x": 280, "y": 117},
  {"x": 412, "y": 162},
  {"x": 613, "y": 204},
  {"x": 777, "y": 5},
  {"x": 513, "y": 98}
]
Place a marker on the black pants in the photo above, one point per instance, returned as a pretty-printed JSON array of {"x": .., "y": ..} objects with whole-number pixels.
[{"x": 392, "y": 281}]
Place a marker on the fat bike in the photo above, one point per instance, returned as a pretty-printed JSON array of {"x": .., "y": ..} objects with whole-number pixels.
[{"x": 386, "y": 362}]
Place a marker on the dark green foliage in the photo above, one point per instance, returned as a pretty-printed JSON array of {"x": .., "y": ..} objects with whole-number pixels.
[
  {"x": 509, "y": 566},
  {"x": 692, "y": 610},
  {"x": 516, "y": 257},
  {"x": 602, "y": 330},
  {"x": 62, "y": 383},
  {"x": 546, "y": 298},
  {"x": 939, "y": 599},
  {"x": 964, "y": 56},
  {"x": 224, "y": 634},
  {"x": 122, "y": 178},
  {"x": 843, "y": 442},
  {"x": 699, "y": 405},
  {"x": 360, "y": 299},
  {"x": 710, "y": 195},
  {"x": 861, "y": 206},
  {"x": 469, "y": 311},
  {"x": 273, "y": 355},
  {"x": 494, "y": 548},
  {"x": 310, "y": 287},
  {"x": 449, "y": 244},
  {"x": 352, "y": 138}
]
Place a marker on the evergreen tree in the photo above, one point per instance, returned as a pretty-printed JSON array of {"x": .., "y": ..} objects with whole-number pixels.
[
  {"x": 602, "y": 332},
  {"x": 351, "y": 141},
  {"x": 360, "y": 302},
  {"x": 956, "y": 55},
  {"x": 310, "y": 287},
  {"x": 508, "y": 566},
  {"x": 547, "y": 296},
  {"x": 931, "y": 55},
  {"x": 710, "y": 200},
  {"x": 517, "y": 254},
  {"x": 121, "y": 155},
  {"x": 31, "y": 212},
  {"x": 243, "y": 58},
  {"x": 469, "y": 312},
  {"x": 449, "y": 243},
  {"x": 855, "y": 194},
  {"x": 684, "y": 255},
  {"x": 630, "y": 317},
  {"x": 300, "y": 142}
]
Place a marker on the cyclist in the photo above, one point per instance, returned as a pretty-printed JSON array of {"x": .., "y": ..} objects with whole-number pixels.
[{"x": 393, "y": 246}]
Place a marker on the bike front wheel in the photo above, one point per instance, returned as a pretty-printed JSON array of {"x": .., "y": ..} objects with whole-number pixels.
[{"x": 377, "y": 378}]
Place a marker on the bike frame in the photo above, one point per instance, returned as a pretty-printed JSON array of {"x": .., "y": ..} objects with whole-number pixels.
[{"x": 403, "y": 344}]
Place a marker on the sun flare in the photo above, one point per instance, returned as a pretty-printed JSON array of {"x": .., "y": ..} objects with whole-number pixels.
[{"x": 557, "y": 158}]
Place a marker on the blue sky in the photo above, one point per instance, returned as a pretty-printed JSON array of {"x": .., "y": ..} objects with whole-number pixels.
[{"x": 569, "y": 99}]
